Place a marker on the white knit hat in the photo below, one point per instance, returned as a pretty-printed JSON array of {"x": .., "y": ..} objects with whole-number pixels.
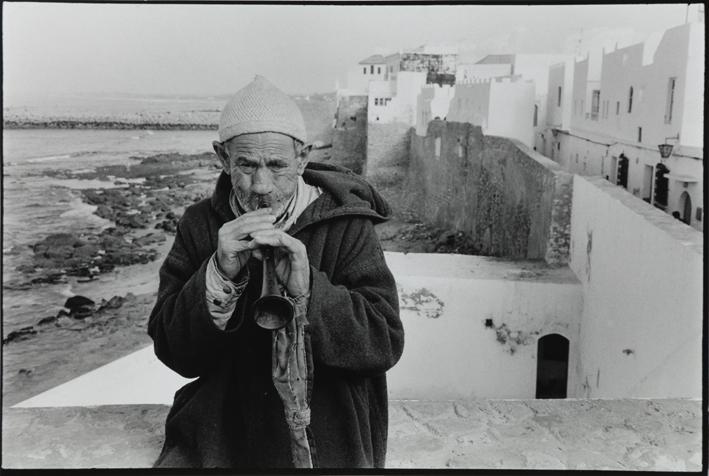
[{"x": 261, "y": 107}]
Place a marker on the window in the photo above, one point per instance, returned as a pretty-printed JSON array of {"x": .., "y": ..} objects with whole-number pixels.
[
  {"x": 379, "y": 70},
  {"x": 371, "y": 69},
  {"x": 640, "y": 134},
  {"x": 558, "y": 96},
  {"x": 630, "y": 100},
  {"x": 617, "y": 108},
  {"x": 595, "y": 104},
  {"x": 438, "y": 147},
  {"x": 376, "y": 101},
  {"x": 364, "y": 70},
  {"x": 536, "y": 112},
  {"x": 670, "y": 100}
]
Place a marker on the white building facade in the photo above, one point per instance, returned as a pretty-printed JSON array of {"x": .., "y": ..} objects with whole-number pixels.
[
  {"x": 433, "y": 103},
  {"x": 625, "y": 103},
  {"x": 500, "y": 106}
]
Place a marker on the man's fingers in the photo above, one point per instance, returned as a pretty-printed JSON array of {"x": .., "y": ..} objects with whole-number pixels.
[
  {"x": 260, "y": 211},
  {"x": 256, "y": 227},
  {"x": 239, "y": 230},
  {"x": 244, "y": 222},
  {"x": 277, "y": 238}
]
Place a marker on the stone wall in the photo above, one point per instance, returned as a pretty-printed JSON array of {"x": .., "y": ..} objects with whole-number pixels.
[
  {"x": 387, "y": 152},
  {"x": 512, "y": 201},
  {"x": 349, "y": 137}
]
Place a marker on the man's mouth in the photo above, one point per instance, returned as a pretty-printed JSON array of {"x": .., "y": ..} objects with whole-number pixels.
[{"x": 263, "y": 201}]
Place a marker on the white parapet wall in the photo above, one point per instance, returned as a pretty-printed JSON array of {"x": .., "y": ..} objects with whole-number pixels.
[
  {"x": 641, "y": 272},
  {"x": 449, "y": 351},
  {"x": 472, "y": 324}
]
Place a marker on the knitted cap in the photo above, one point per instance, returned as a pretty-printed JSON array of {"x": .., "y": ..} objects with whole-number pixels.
[{"x": 261, "y": 107}]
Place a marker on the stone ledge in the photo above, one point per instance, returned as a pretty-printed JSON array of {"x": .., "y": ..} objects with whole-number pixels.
[
  {"x": 683, "y": 233},
  {"x": 657, "y": 435}
]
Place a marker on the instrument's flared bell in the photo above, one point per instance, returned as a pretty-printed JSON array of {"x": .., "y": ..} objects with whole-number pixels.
[{"x": 272, "y": 310}]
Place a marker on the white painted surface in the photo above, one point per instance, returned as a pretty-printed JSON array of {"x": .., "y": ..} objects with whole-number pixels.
[
  {"x": 501, "y": 107},
  {"x": 454, "y": 356},
  {"x": 433, "y": 102},
  {"x": 449, "y": 356},
  {"x": 138, "y": 378},
  {"x": 646, "y": 67},
  {"x": 641, "y": 270},
  {"x": 476, "y": 72}
]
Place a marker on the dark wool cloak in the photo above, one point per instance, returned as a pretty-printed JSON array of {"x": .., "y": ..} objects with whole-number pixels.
[{"x": 232, "y": 416}]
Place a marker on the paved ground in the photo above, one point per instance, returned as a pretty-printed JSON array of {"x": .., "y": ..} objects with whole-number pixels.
[{"x": 539, "y": 434}]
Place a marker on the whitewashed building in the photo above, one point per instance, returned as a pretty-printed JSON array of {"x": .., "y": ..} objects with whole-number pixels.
[
  {"x": 532, "y": 67},
  {"x": 433, "y": 103},
  {"x": 623, "y": 104},
  {"x": 500, "y": 106}
]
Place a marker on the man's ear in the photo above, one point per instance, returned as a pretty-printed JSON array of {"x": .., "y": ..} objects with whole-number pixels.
[
  {"x": 221, "y": 152},
  {"x": 304, "y": 157}
]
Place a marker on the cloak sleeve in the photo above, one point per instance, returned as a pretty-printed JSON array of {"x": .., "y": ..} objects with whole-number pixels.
[
  {"x": 185, "y": 337},
  {"x": 354, "y": 316}
]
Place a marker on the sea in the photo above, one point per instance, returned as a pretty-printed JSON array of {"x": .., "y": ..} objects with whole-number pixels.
[{"x": 36, "y": 204}]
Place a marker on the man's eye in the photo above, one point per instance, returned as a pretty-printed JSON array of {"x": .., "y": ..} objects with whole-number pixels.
[{"x": 245, "y": 166}]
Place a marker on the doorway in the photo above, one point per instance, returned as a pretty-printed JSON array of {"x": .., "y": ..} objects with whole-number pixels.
[
  {"x": 623, "y": 164},
  {"x": 685, "y": 204},
  {"x": 648, "y": 175},
  {"x": 552, "y": 366},
  {"x": 613, "y": 176}
]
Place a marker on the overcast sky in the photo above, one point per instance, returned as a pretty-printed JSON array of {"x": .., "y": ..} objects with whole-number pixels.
[{"x": 216, "y": 49}]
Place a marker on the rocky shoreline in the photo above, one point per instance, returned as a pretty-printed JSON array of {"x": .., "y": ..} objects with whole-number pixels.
[
  {"x": 107, "y": 124},
  {"x": 143, "y": 201},
  {"x": 143, "y": 213}
]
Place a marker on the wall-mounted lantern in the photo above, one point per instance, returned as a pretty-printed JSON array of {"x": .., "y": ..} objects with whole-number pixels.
[{"x": 666, "y": 149}]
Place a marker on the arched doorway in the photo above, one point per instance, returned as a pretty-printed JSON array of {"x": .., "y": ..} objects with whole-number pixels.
[
  {"x": 623, "y": 164},
  {"x": 552, "y": 366},
  {"x": 685, "y": 205}
]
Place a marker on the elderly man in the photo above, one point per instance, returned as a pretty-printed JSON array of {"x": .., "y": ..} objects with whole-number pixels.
[{"x": 310, "y": 394}]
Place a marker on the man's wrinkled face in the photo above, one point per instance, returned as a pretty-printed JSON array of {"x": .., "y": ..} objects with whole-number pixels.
[{"x": 264, "y": 169}]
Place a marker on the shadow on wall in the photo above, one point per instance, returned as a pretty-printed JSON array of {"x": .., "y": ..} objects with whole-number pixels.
[{"x": 513, "y": 202}]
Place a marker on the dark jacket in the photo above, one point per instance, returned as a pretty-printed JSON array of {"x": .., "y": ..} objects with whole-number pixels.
[{"x": 231, "y": 416}]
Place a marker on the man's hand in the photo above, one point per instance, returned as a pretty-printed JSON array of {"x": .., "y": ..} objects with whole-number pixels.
[
  {"x": 292, "y": 265},
  {"x": 234, "y": 249}
]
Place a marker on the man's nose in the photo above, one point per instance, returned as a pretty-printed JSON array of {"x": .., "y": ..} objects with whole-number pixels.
[{"x": 262, "y": 183}]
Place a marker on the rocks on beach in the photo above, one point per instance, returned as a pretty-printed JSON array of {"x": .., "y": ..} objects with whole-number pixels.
[
  {"x": 76, "y": 308},
  {"x": 20, "y": 334},
  {"x": 86, "y": 255},
  {"x": 165, "y": 188}
]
